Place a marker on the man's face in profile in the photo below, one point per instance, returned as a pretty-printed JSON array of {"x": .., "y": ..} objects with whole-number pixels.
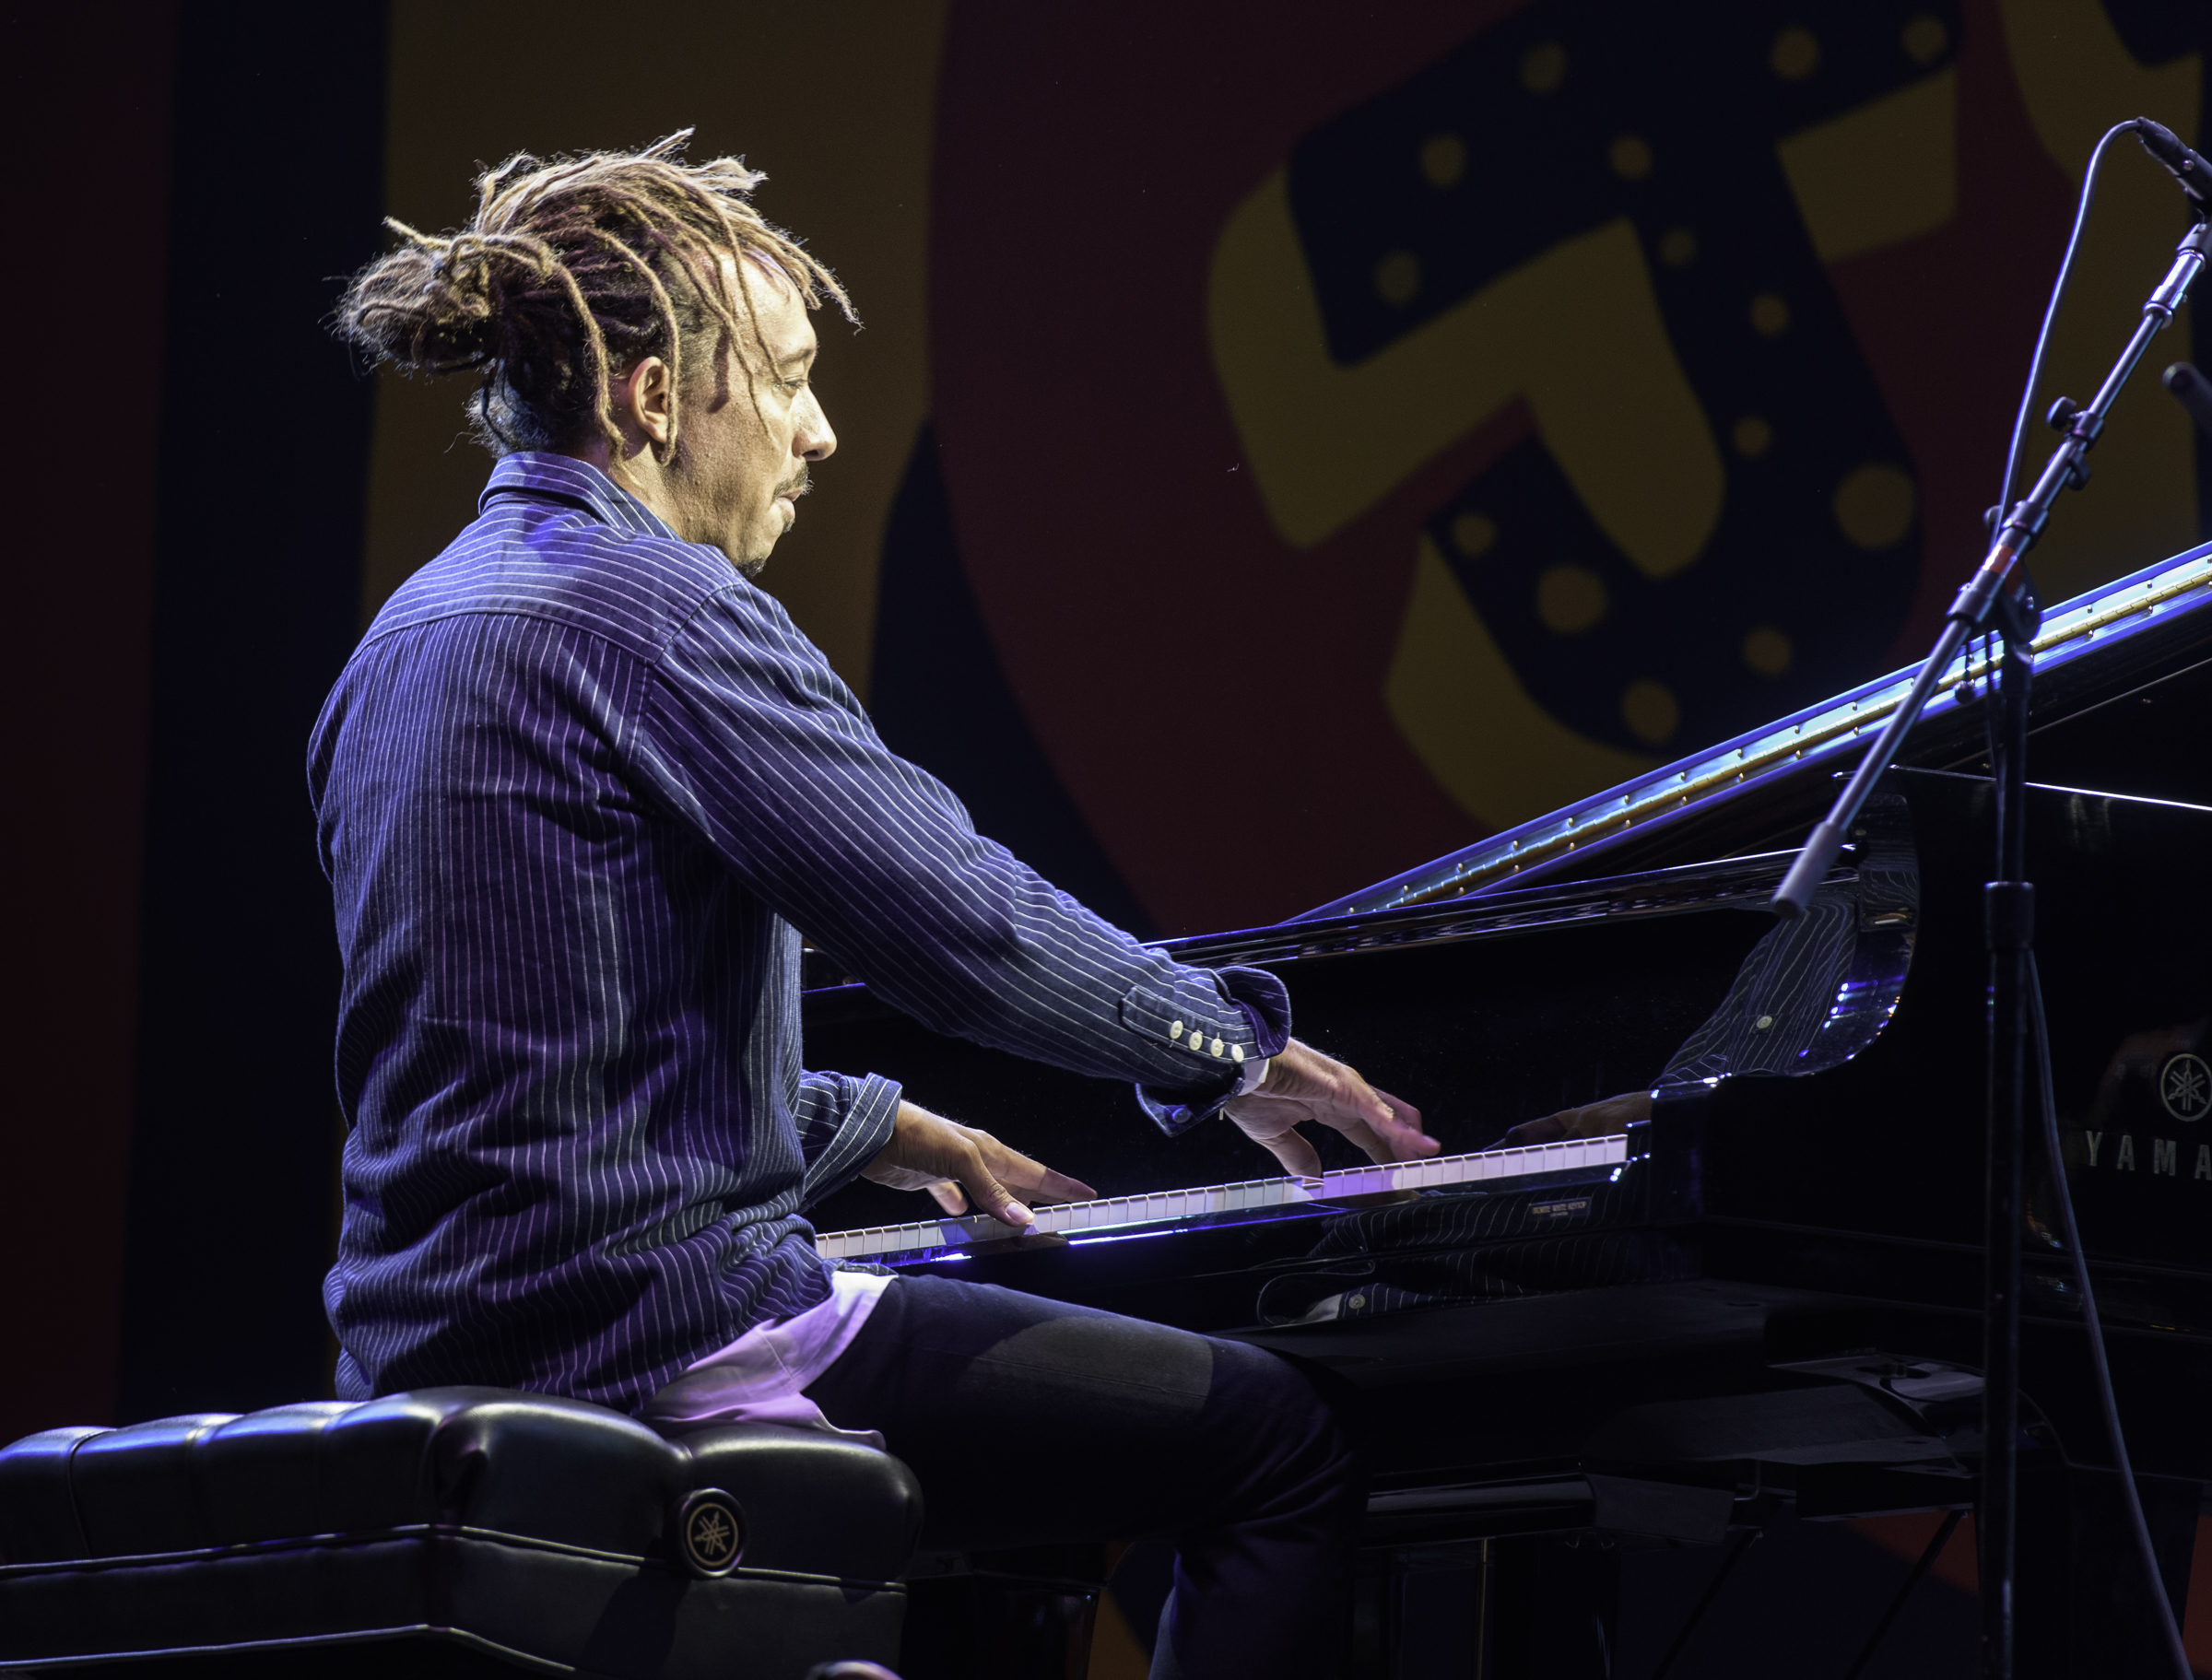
[{"x": 742, "y": 465}]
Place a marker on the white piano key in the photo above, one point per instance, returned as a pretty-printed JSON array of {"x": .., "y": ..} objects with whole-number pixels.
[{"x": 1161, "y": 1207}]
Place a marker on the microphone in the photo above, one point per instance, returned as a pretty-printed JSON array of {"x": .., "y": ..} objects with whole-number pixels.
[{"x": 2188, "y": 167}]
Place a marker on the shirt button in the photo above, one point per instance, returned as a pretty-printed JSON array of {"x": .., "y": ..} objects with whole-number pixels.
[
  {"x": 1217, "y": 1047},
  {"x": 1176, "y": 1033},
  {"x": 1236, "y": 1052}
]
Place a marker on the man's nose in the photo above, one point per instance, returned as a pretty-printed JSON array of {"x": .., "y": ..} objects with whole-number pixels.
[{"x": 811, "y": 439}]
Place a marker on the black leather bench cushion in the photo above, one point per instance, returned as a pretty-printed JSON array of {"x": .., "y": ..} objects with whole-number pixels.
[
  {"x": 529, "y": 1465},
  {"x": 555, "y": 1610}
]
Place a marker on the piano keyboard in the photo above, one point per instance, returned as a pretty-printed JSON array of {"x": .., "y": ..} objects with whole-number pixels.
[{"x": 1259, "y": 1197}]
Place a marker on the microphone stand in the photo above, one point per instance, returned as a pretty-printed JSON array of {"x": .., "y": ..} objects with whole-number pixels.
[{"x": 2000, "y": 597}]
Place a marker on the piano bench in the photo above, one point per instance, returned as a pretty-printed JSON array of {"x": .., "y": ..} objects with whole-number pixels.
[{"x": 451, "y": 1531}]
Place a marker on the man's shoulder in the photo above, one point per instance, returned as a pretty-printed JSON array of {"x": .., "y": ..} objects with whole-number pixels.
[{"x": 529, "y": 559}]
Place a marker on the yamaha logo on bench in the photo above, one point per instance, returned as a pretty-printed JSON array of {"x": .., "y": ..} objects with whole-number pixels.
[{"x": 709, "y": 1534}]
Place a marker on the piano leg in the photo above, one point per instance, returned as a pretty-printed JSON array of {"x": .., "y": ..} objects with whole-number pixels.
[
  {"x": 2082, "y": 1606},
  {"x": 1527, "y": 1607}
]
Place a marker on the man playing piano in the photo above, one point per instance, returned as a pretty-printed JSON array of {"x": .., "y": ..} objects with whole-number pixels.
[{"x": 577, "y": 790}]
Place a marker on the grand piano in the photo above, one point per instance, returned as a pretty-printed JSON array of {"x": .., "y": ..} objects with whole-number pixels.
[{"x": 1767, "y": 1293}]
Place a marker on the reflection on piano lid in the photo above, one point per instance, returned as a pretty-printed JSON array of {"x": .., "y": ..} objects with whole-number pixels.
[
  {"x": 1227, "y": 1203},
  {"x": 2143, "y": 611}
]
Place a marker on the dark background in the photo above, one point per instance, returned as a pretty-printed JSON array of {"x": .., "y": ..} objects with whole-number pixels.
[{"x": 184, "y": 563}]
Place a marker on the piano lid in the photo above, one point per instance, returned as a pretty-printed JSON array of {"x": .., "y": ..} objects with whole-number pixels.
[{"x": 2089, "y": 648}]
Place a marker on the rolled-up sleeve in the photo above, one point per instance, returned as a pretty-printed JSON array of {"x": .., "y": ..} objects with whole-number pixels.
[
  {"x": 749, "y": 734},
  {"x": 1265, "y": 1007},
  {"x": 843, "y": 1125}
]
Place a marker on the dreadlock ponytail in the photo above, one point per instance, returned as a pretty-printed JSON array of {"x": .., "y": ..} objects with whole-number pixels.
[{"x": 571, "y": 272}]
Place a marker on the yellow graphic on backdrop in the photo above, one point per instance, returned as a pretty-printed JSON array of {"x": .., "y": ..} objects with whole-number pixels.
[
  {"x": 1454, "y": 696},
  {"x": 1577, "y": 334},
  {"x": 1882, "y": 174},
  {"x": 2077, "y": 79}
]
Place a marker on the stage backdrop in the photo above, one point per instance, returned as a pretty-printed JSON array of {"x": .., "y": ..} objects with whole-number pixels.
[
  {"x": 1287, "y": 441},
  {"x": 1271, "y": 461}
]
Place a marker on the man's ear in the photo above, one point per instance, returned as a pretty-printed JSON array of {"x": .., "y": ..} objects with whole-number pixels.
[{"x": 640, "y": 401}]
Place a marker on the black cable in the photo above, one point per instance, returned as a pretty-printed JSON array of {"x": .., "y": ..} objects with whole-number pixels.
[
  {"x": 1741, "y": 1544},
  {"x": 2042, "y": 337},
  {"x": 1928, "y": 1560},
  {"x": 2027, "y": 408},
  {"x": 2056, "y": 1161}
]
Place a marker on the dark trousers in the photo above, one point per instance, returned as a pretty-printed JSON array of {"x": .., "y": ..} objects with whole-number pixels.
[{"x": 1032, "y": 1423}]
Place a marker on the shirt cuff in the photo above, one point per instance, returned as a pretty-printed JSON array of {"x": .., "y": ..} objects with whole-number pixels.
[
  {"x": 1260, "y": 999},
  {"x": 863, "y": 1112},
  {"x": 1266, "y": 1003}
]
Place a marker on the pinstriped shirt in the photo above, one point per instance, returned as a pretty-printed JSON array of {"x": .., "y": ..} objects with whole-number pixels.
[{"x": 576, "y": 792}]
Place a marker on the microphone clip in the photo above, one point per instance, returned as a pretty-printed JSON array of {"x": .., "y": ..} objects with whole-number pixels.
[{"x": 2189, "y": 168}]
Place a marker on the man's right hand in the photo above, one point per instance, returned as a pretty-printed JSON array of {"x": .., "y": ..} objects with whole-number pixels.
[
  {"x": 929, "y": 1152},
  {"x": 1302, "y": 1084}
]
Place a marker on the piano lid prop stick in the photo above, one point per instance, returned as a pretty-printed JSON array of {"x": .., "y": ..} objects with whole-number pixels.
[{"x": 1818, "y": 856}]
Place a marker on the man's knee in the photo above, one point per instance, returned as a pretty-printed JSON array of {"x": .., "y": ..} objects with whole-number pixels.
[{"x": 1305, "y": 1426}]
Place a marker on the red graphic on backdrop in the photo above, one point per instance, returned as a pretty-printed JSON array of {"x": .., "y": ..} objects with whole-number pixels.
[{"x": 1211, "y": 697}]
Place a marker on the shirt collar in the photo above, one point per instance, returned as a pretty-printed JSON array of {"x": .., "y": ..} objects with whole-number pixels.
[{"x": 537, "y": 472}]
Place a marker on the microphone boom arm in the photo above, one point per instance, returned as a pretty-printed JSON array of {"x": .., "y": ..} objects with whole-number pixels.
[{"x": 1999, "y": 592}]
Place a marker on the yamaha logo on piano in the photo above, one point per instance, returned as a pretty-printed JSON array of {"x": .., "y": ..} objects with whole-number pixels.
[
  {"x": 2167, "y": 1158},
  {"x": 2185, "y": 1087},
  {"x": 2147, "y": 1085}
]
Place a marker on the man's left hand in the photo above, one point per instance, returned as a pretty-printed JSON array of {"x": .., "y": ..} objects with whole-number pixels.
[{"x": 929, "y": 1152}]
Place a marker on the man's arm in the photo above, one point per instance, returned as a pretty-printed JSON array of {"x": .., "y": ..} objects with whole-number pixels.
[{"x": 749, "y": 735}]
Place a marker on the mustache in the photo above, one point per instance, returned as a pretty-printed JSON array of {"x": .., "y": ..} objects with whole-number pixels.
[{"x": 799, "y": 484}]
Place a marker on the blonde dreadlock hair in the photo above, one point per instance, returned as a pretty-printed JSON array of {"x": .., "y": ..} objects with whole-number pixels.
[{"x": 571, "y": 272}]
